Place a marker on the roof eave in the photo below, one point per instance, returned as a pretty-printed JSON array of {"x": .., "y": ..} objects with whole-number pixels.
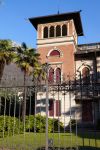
[{"x": 42, "y": 19}]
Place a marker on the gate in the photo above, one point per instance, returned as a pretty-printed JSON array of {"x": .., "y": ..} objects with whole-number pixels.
[{"x": 49, "y": 116}]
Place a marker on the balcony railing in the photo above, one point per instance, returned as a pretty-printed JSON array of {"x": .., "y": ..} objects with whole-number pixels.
[{"x": 89, "y": 46}]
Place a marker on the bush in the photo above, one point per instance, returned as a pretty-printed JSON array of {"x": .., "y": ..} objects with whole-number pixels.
[
  {"x": 57, "y": 124},
  {"x": 40, "y": 124},
  {"x": 73, "y": 123},
  {"x": 10, "y": 125},
  {"x": 37, "y": 123}
]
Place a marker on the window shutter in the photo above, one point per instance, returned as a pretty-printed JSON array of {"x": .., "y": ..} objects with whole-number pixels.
[
  {"x": 58, "y": 75},
  {"x": 51, "y": 107},
  {"x": 58, "y": 108},
  {"x": 51, "y": 75}
]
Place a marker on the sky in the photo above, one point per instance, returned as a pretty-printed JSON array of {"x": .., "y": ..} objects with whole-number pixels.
[{"x": 14, "y": 14}]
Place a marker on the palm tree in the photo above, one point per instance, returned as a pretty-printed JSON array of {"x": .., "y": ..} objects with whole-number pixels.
[
  {"x": 6, "y": 54},
  {"x": 28, "y": 60}
]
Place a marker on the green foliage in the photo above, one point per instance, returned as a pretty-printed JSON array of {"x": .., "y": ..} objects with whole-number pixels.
[
  {"x": 10, "y": 126},
  {"x": 6, "y": 51},
  {"x": 29, "y": 123},
  {"x": 40, "y": 124},
  {"x": 27, "y": 59},
  {"x": 73, "y": 123},
  {"x": 58, "y": 125},
  {"x": 6, "y": 54},
  {"x": 5, "y": 44}
]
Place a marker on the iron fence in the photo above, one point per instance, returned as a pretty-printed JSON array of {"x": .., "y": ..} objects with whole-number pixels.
[{"x": 50, "y": 116}]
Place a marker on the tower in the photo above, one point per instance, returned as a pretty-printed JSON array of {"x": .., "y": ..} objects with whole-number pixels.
[{"x": 57, "y": 37}]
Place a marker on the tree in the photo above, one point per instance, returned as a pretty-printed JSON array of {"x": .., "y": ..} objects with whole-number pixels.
[
  {"x": 28, "y": 60},
  {"x": 6, "y": 55}
]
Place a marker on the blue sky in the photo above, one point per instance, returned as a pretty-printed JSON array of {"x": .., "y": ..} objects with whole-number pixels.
[{"x": 14, "y": 14}]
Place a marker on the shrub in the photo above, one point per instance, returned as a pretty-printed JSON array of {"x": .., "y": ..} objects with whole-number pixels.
[
  {"x": 40, "y": 124},
  {"x": 9, "y": 126},
  {"x": 12, "y": 125},
  {"x": 73, "y": 123},
  {"x": 57, "y": 125}
]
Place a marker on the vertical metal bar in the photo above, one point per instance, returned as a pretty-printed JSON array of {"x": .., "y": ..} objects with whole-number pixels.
[
  {"x": 0, "y": 104},
  {"x": 35, "y": 112},
  {"x": 58, "y": 120},
  {"x": 35, "y": 90},
  {"x": 9, "y": 115},
  {"x": 76, "y": 129},
  {"x": 64, "y": 119},
  {"x": 70, "y": 116},
  {"x": 29, "y": 106},
  {"x": 19, "y": 115},
  {"x": 40, "y": 120},
  {"x": 53, "y": 121},
  {"x": 47, "y": 102},
  {"x": 53, "y": 118},
  {"x": 81, "y": 91},
  {"x": 14, "y": 112},
  {"x": 4, "y": 116},
  {"x": 4, "y": 113},
  {"x": 24, "y": 109},
  {"x": 25, "y": 90}
]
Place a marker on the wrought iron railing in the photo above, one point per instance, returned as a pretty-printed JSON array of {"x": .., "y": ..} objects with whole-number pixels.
[{"x": 29, "y": 134}]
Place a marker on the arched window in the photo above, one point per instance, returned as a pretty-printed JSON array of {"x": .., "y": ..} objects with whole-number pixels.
[
  {"x": 58, "y": 75},
  {"x": 51, "y": 75},
  {"x": 64, "y": 30},
  {"x": 45, "y": 32},
  {"x": 86, "y": 75},
  {"x": 58, "y": 30},
  {"x": 51, "y": 31},
  {"x": 55, "y": 53}
]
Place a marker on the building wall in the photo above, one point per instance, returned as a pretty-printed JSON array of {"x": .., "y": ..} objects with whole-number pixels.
[
  {"x": 69, "y": 23},
  {"x": 80, "y": 64},
  {"x": 66, "y": 58},
  {"x": 66, "y": 45},
  {"x": 66, "y": 62},
  {"x": 67, "y": 102}
]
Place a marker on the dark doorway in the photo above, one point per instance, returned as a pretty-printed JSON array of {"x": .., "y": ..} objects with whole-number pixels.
[{"x": 87, "y": 115}]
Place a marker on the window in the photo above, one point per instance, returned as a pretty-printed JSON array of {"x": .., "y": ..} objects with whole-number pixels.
[
  {"x": 86, "y": 75},
  {"x": 54, "y": 105},
  {"x": 51, "y": 107},
  {"x": 51, "y": 31},
  {"x": 58, "y": 75},
  {"x": 51, "y": 75},
  {"x": 58, "y": 108},
  {"x": 58, "y": 30},
  {"x": 87, "y": 115},
  {"x": 64, "y": 30},
  {"x": 45, "y": 32},
  {"x": 55, "y": 32},
  {"x": 55, "y": 53}
]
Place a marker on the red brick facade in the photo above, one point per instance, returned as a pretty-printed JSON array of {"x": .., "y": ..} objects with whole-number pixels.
[{"x": 66, "y": 59}]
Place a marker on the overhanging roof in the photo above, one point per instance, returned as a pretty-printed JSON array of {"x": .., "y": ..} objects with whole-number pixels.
[{"x": 60, "y": 17}]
